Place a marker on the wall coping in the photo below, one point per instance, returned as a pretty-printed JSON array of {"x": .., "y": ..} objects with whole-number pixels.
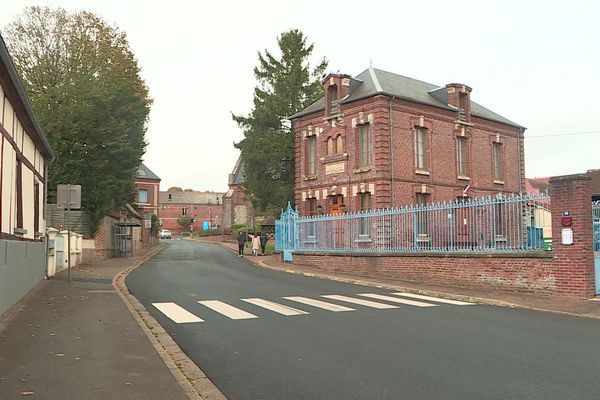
[
  {"x": 573, "y": 177},
  {"x": 528, "y": 254}
]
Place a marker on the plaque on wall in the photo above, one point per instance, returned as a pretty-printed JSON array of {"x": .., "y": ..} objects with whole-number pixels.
[{"x": 334, "y": 168}]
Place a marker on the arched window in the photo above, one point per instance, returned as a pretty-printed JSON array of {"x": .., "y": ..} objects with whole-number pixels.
[
  {"x": 330, "y": 146},
  {"x": 339, "y": 144}
]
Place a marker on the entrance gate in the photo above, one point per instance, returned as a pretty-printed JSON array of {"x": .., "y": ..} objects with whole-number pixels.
[
  {"x": 59, "y": 250},
  {"x": 596, "y": 232}
]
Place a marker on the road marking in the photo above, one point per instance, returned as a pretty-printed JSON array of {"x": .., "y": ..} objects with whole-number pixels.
[
  {"x": 227, "y": 310},
  {"x": 319, "y": 304},
  {"x": 367, "y": 303},
  {"x": 397, "y": 300},
  {"x": 447, "y": 301},
  {"x": 178, "y": 314},
  {"x": 278, "y": 308}
]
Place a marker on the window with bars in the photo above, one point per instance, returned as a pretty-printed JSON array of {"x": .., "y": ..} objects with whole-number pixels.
[
  {"x": 421, "y": 148},
  {"x": 364, "y": 145},
  {"x": 311, "y": 155},
  {"x": 462, "y": 156}
]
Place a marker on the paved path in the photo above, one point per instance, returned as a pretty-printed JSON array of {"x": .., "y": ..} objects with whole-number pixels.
[
  {"x": 263, "y": 334},
  {"x": 80, "y": 341}
]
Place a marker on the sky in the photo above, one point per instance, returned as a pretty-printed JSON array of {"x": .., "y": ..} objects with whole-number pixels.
[{"x": 536, "y": 63}]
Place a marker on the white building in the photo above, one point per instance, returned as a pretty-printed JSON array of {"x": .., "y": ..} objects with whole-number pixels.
[{"x": 24, "y": 157}]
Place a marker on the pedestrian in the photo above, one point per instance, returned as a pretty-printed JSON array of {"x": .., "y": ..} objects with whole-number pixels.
[
  {"x": 241, "y": 242},
  {"x": 263, "y": 242},
  {"x": 255, "y": 244}
]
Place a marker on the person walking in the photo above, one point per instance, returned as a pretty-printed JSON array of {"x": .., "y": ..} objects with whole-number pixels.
[
  {"x": 241, "y": 242},
  {"x": 263, "y": 242},
  {"x": 255, "y": 244}
]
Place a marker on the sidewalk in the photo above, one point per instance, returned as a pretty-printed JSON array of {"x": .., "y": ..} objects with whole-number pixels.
[
  {"x": 564, "y": 305},
  {"x": 80, "y": 341}
]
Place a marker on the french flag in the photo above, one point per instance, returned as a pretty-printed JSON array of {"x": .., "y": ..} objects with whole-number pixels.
[{"x": 466, "y": 189}]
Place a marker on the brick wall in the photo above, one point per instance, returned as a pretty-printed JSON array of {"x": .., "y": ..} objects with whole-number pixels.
[
  {"x": 170, "y": 213},
  {"x": 566, "y": 271}
]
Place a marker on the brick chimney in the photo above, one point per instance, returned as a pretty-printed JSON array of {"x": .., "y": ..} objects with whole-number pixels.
[
  {"x": 459, "y": 97},
  {"x": 335, "y": 87}
]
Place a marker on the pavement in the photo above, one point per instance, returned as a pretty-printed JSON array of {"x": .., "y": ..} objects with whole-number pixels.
[
  {"x": 83, "y": 341},
  {"x": 92, "y": 340},
  {"x": 589, "y": 308}
]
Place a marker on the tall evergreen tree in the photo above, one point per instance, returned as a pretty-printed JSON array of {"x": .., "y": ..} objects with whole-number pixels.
[
  {"x": 286, "y": 85},
  {"x": 84, "y": 84}
]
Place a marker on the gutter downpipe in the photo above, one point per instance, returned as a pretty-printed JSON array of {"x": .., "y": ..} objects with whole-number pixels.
[
  {"x": 391, "y": 128},
  {"x": 521, "y": 134}
]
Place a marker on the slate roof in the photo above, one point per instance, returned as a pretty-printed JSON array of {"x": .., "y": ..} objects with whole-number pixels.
[
  {"x": 237, "y": 175},
  {"x": 145, "y": 173},
  {"x": 374, "y": 81}
]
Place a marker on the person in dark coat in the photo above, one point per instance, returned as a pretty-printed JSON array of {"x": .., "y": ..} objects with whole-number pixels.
[
  {"x": 263, "y": 242},
  {"x": 241, "y": 242}
]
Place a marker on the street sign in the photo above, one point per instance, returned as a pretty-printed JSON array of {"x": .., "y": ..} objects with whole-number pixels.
[
  {"x": 69, "y": 196},
  {"x": 566, "y": 221},
  {"x": 566, "y": 213}
]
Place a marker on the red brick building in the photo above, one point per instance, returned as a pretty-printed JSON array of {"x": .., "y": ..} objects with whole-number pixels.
[
  {"x": 381, "y": 140},
  {"x": 205, "y": 208},
  {"x": 147, "y": 187}
]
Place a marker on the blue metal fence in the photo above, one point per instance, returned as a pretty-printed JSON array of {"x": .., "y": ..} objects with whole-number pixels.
[
  {"x": 596, "y": 224},
  {"x": 513, "y": 223}
]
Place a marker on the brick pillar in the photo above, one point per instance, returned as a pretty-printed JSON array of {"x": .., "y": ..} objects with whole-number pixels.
[{"x": 573, "y": 264}]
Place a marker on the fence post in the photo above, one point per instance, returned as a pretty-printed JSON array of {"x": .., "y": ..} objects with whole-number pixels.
[{"x": 574, "y": 262}]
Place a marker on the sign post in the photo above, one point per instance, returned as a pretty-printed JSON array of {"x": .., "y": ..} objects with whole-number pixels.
[{"x": 68, "y": 197}]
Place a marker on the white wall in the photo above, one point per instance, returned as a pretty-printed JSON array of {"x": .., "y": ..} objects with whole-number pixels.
[{"x": 25, "y": 145}]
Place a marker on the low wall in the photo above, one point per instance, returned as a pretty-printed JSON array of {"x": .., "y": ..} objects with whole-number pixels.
[
  {"x": 527, "y": 273},
  {"x": 22, "y": 266}
]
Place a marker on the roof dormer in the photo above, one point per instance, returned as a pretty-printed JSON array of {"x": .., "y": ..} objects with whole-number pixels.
[
  {"x": 336, "y": 87},
  {"x": 459, "y": 97}
]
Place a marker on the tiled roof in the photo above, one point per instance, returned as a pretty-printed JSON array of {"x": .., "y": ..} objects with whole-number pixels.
[{"x": 374, "y": 81}]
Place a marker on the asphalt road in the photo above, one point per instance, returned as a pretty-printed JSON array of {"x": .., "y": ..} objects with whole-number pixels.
[{"x": 439, "y": 352}]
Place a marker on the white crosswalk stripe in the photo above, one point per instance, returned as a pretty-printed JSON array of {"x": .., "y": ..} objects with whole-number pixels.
[
  {"x": 366, "y": 303},
  {"x": 275, "y": 307},
  {"x": 398, "y": 300},
  {"x": 319, "y": 304},
  {"x": 227, "y": 310},
  {"x": 176, "y": 313},
  {"x": 436, "y": 299}
]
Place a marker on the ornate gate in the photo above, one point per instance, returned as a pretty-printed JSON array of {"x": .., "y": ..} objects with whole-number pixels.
[{"x": 596, "y": 232}]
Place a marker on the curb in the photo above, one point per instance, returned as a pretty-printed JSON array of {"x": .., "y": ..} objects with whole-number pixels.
[
  {"x": 190, "y": 377},
  {"x": 451, "y": 296}
]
